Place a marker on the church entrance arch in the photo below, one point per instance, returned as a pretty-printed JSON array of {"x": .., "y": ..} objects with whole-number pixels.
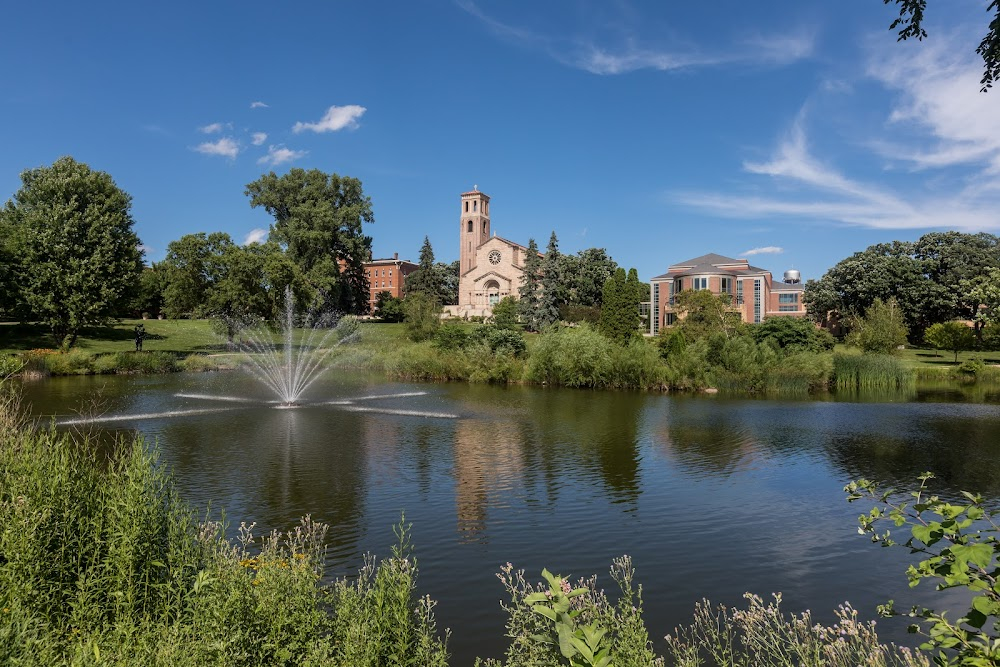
[{"x": 492, "y": 289}]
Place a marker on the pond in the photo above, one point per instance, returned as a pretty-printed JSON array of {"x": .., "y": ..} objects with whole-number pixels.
[{"x": 711, "y": 496}]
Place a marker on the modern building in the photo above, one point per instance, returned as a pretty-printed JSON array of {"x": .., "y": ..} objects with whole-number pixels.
[
  {"x": 490, "y": 267},
  {"x": 387, "y": 275},
  {"x": 755, "y": 294}
]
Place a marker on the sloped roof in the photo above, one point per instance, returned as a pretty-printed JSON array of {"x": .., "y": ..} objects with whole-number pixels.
[{"x": 710, "y": 259}]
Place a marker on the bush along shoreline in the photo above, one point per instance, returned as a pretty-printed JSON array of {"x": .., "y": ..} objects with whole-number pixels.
[
  {"x": 778, "y": 357},
  {"x": 101, "y": 563}
]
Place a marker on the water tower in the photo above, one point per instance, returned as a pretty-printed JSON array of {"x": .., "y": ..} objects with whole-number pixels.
[{"x": 793, "y": 276}]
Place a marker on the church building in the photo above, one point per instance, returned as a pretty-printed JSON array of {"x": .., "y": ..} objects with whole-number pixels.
[{"x": 490, "y": 267}]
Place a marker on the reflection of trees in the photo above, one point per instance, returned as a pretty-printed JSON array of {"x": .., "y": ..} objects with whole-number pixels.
[
  {"x": 273, "y": 466},
  {"x": 708, "y": 436},
  {"x": 588, "y": 432},
  {"x": 486, "y": 466},
  {"x": 963, "y": 453}
]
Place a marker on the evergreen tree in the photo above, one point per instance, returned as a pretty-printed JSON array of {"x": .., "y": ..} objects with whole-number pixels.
[
  {"x": 528, "y": 292},
  {"x": 549, "y": 300},
  {"x": 620, "y": 312},
  {"x": 427, "y": 279}
]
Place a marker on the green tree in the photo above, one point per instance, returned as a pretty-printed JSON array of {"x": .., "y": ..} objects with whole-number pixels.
[
  {"x": 531, "y": 286},
  {"x": 422, "y": 316},
  {"x": 505, "y": 313},
  {"x": 910, "y": 24},
  {"x": 584, "y": 275},
  {"x": 792, "y": 334},
  {"x": 426, "y": 279},
  {"x": 388, "y": 308},
  {"x": 703, "y": 314},
  {"x": 318, "y": 220},
  {"x": 550, "y": 297},
  {"x": 620, "y": 312},
  {"x": 449, "y": 276},
  {"x": 152, "y": 283},
  {"x": 882, "y": 329},
  {"x": 954, "y": 336},
  {"x": 194, "y": 264},
  {"x": 79, "y": 259},
  {"x": 984, "y": 292}
]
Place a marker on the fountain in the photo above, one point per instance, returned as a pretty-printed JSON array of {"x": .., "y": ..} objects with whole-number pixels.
[{"x": 286, "y": 367}]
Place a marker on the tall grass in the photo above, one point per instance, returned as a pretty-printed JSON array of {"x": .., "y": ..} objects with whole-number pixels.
[
  {"x": 871, "y": 371},
  {"x": 101, "y": 563}
]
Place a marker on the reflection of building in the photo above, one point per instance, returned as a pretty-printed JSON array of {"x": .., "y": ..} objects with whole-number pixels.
[
  {"x": 490, "y": 266},
  {"x": 754, "y": 293},
  {"x": 387, "y": 275},
  {"x": 487, "y": 463}
]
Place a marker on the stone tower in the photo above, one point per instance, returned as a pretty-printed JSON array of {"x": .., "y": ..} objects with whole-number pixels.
[{"x": 474, "y": 227}]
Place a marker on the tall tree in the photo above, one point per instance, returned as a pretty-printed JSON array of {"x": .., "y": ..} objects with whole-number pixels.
[
  {"x": 195, "y": 264},
  {"x": 881, "y": 330},
  {"x": 552, "y": 285},
  {"x": 584, "y": 275},
  {"x": 80, "y": 262},
  {"x": 704, "y": 314},
  {"x": 449, "y": 276},
  {"x": 620, "y": 310},
  {"x": 954, "y": 336},
  {"x": 318, "y": 219},
  {"x": 426, "y": 279},
  {"x": 531, "y": 285}
]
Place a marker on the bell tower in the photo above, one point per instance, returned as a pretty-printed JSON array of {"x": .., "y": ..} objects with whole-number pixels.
[{"x": 474, "y": 226}]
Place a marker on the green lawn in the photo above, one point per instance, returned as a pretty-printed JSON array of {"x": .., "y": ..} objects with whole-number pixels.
[
  {"x": 929, "y": 357},
  {"x": 178, "y": 336}
]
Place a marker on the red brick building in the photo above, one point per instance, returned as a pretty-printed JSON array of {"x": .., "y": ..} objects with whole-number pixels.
[
  {"x": 387, "y": 275},
  {"x": 755, "y": 294}
]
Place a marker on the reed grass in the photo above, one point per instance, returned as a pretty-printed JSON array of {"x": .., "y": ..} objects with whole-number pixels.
[{"x": 871, "y": 372}]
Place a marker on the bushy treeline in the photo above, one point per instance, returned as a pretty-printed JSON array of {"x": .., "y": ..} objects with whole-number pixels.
[
  {"x": 69, "y": 257},
  {"x": 101, "y": 563}
]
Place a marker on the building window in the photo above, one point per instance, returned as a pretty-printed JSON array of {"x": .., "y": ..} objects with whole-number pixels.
[
  {"x": 669, "y": 319},
  {"x": 484, "y": 226},
  {"x": 390, "y": 273},
  {"x": 699, "y": 283},
  {"x": 756, "y": 300},
  {"x": 727, "y": 285},
  {"x": 678, "y": 285},
  {"x": 788, "y": 309},
  {"x": 470, "y": 226},
  {"x": 655, "y": 319},
  {"x": 739, "y": 292},
  {"x": 475, "y": 206},
  {"x": 466, "y": 207},
  {"x": 788, "y": 298},
  {"x": 492, "y": 292}
]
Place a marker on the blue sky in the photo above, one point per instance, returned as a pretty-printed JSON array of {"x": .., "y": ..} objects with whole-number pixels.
[{"x": 793, "y": 133}]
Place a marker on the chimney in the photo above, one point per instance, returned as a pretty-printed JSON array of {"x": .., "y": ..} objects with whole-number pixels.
[{"x": 395, "y": 255}]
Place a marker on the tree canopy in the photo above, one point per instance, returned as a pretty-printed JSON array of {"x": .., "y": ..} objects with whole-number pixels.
[
  {"x": 531, "y": 286},
  {"x": 79, "y": 260},
  {"x": 929, "y": 279},
  {"x": 620, "y": 312},
  {"x": 704, "y": 314},
  {"x": 318, "y": 220},
  {"x": 910, "y": 23}
]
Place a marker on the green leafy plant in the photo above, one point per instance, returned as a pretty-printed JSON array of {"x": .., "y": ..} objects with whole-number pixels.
[
  {"x": 959, "y": 548},
  {"x": 582, "y": 645}
]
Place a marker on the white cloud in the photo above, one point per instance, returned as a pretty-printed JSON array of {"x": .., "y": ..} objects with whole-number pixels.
[
  {"x": 627, "y": 53},
  {"x": 258, "y": 105},
  {"x": 255, "y": 236},
  {"x": 765, "y": 250},
  {"x": 226, "y": 147},
  {"x": 279, "y": 155},
  {"x": 211, "y": 128},
  {"x": 336, "y": 118},
  {"x": 937, "y": 87},
  {"x": 258, "y": 138}
]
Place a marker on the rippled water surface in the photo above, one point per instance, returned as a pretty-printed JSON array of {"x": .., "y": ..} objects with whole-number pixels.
[{"x": 711, "y": 496}]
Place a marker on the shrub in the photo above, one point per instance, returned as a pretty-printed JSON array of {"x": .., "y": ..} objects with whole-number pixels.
[
  {"x": 451, "y": 337},
  {"x": 870, "y": 371},
  {"x": 502, "y": 341},
  {"x": 422, "y": 316},
  {"x": 971, "y": 367},
  {"x": 505, "y": 313},
  {"x": 882, "y": 330},
  {"x": 572, "y": 357},
  {"x": 792, "y": 334},
  {"x": 10, "y": 365}
]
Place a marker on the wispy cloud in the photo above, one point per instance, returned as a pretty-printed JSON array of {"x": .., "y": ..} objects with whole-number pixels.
[
  {"x": 258, "y": 105},
  {"x": 211, "y": 128},
  {"x": 280, "y": 155},
  {"x": 627, "y": 53},
  {"x": 764, "y": 250},
  {"x": 937, "y": 87},
  {"x": 939, "y": 123},
  {"x": 255, "y": 236},
  {"x": 258, "y": 138},
  {"x": 226, "y": 147},
  {"x": 336, "y": 118}
]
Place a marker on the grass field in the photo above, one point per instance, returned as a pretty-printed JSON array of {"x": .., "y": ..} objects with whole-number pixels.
[{"x": 177, "y": 336}]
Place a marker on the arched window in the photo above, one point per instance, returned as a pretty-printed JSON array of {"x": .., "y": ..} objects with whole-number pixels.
[
  {"x": 470, "y": 226},
  {"x": 492, "y": 288},
  {"x": 475, "y": 206},
  {"x": 484, "y": 226},
  {"x": 466, "y": 207}
]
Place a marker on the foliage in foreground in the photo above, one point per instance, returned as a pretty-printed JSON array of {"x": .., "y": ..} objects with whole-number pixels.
[
  {"x": 958, "y": 546},
  {"x": 101, "y": 563}
]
